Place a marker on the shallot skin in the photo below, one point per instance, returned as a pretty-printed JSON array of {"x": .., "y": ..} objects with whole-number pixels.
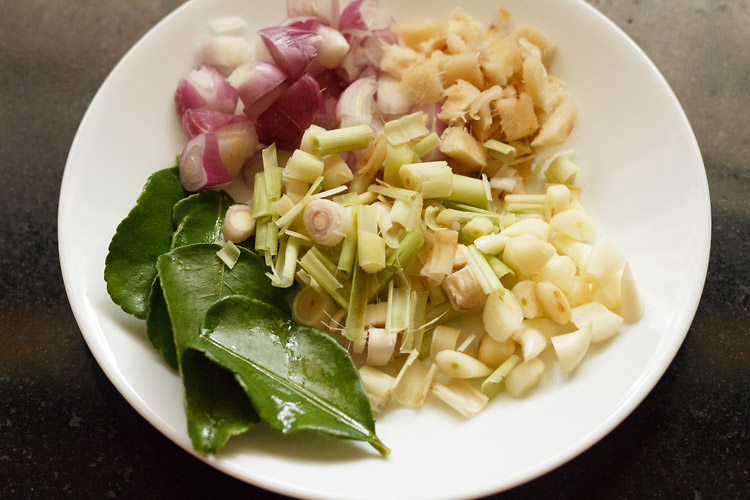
[{"x": 205, "y": 88}]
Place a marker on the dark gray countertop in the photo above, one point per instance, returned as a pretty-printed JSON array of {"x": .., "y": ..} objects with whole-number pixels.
[{"x": 67, "y": 433}]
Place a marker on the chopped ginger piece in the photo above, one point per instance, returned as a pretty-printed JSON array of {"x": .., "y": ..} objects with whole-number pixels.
[
  {"x": 416, "y": 31},
  {"x": 460, "y": 145},
  {"x": 424, "y": 80},
  {"x": 517, "y": 116},
  {"x": 459, "y": 99}
]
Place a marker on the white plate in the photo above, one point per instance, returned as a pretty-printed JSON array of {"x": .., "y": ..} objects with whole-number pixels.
[{"x": 644, "y": 183}]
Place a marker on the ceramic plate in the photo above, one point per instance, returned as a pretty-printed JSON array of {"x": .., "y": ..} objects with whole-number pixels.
[{"x": 643, "y": 181}]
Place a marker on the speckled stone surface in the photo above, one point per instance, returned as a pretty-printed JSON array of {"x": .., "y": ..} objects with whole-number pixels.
[{"x": 65, "y": 432}]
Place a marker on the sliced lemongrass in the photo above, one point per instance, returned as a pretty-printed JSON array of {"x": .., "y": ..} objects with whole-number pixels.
[
  {"x": 469, "y": 345},
  {"x": 401, "y": 212},
  {"x": 504, "y": 184},
  {"x": 524, "y": 377},
  {"x": 482, "y": 270},
  {"x": 491, "y": 244},
  {"x": 442, "y": 255},
  {"x": 347, "y": 199},
  {"x": 443, "y": 338},
  {"x": 380, "y": 346},
  {"x": 560, "y": 270},
  {"x": 459, "y": 365},
  {"x": 266, "y": 236},
  {"x": 340, "y": 140},
  {"x": 239, "y": 223},
  {"x": 493, "y": 353},
  {"x": 532, "y": 341},
  {"x": 414, "y": 219},
  {"x": 605, "y": 258},
  {"x": 505, "y": 274},
  {"x": 631, "y": 306},
  {"x": 348, "y": 253},
  {"x": 296, "y": 190},
  {"x": 469, "y": 190},
  {"x": 378, "y": 386},
  {"x": 461, "y": 258},
  {"x": 463, "y": 290},
  {"x": 521, "y": 203},
  {"x": 502, "y": 316},
  {"x": 561, "y": 170},
  {"x": 326, "y": 222},
  {"x": 285, "y": 266},
  {"x": 580, "y": 292},
  {"x": 426, "y": 145},
  {"x": 432, "y": 179},
  {"x": 574, "y": 223},
  {"x": 375, "y": 314},
  {"x": 397, "y": 311},
  {"x": 571, "y": 347},
  {"x": 529, "y": 254},
  {"x": 604, "y": 323},
  {"x": 413, "y": 381},
  {"x": 229, "y": 254},
  {"x": 388, "y": 230},
  {"x": 525, "y": 292},
  {"x": 303, "y": 167},
  {"x": 473, "y": 210},
  {"x": 500, "y": 151},
  {"x": 370, "y": 246},
  {"x": 401, "y": 258},
  {"x": 440, "y": 313},
  {"x": 576, "y": 250},
  {"x": 367, "y": 198},
  {"x": 556, "y": 200},
  {"x": 306, "y": 141},
  {"x": 461, "y": 396},
  {"x": 554, "y": 302},
  {"x": 355, "y": 323},
  {"x": 312, "y": 308},
  {"x": 313, "y": 263},
  {"x": 495, "y": 383},
  {"x": 406, "y": 128},
  {"x": 283, "y": 205},
  {"x": 536, "y": 227},
  {"x": 476, "y": 228},
  {"x": 607, "y": 291},
  {"x": 395, "y": 158},
  {"x": 335, "y": 172},
  {"x": 412, "y": 338},
  {"x": 261, "y": 203},
  {"x": 435, "y": 294}
]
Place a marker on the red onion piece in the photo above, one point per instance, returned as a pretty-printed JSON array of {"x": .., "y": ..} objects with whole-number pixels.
[
  {"x": 198, "y": 121},
  {"x": 356, "y": 103},
  {"x": 237, "y": 143},
  {"x": 308, "y": 23},
  {"x": 205, "y": 88},
  {"x": 327, "y": 10},
  {"x": 291, "y": 48},
  {"x": 201, "y": 167},
  {"x": 287, "y": 118},
  {"x": 365, "y": 15},
  {"x": 258, "y": 85}
]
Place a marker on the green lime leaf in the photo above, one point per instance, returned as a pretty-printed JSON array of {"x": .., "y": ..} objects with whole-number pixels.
[
  {"x": 296, "y": 376},
  {"x": 146, "y": 233},
  {"x": 193, "y": 278},
  {"x": 199, "y": 218}
]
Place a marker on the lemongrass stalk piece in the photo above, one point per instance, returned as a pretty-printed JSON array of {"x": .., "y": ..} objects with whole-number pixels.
[
  {"x": 500, "y": 151},
  {"x": 326, "y": 222},
  {"x": 461, "y": 396},
  {"x": 239, "y": 223},
  {"x": 355, "y": 324},
  {"x": 229, "y": 254},
  {"x": 561, "y": 170},
  {"x": 395, "y": 158},
  {"x": 442, "y": 256},
  {"x": 378, "y": 386},
  {"x": 303, "y": 167},
  {"x": 495, "y": 383},
  {"x": 341, "y": 140},
  {"x": 375, "y": 314},
  {"x": 406, "y": 128},
  {"x": 413, "y": 381},
  {"x": 426, "y": 145},
  {"x": 306, "y": 142},
  {"x": 431, "y": 179},
  {"x": 443, "y": 338},
  {"x": 397, "y": 311},
  {"x": 312, "y": 308},
  {"x": 571, "y": 347},
  {"x": 476, "y": 228},
  {"x": 470, "y": 190},
  {"x": 524, "y": 377},
  {"x": 491, "y": 244},
  {"x": 631, "y": 306},
  {"x": 380, "y": 346},
  {"x": 335, "y": 172}
]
